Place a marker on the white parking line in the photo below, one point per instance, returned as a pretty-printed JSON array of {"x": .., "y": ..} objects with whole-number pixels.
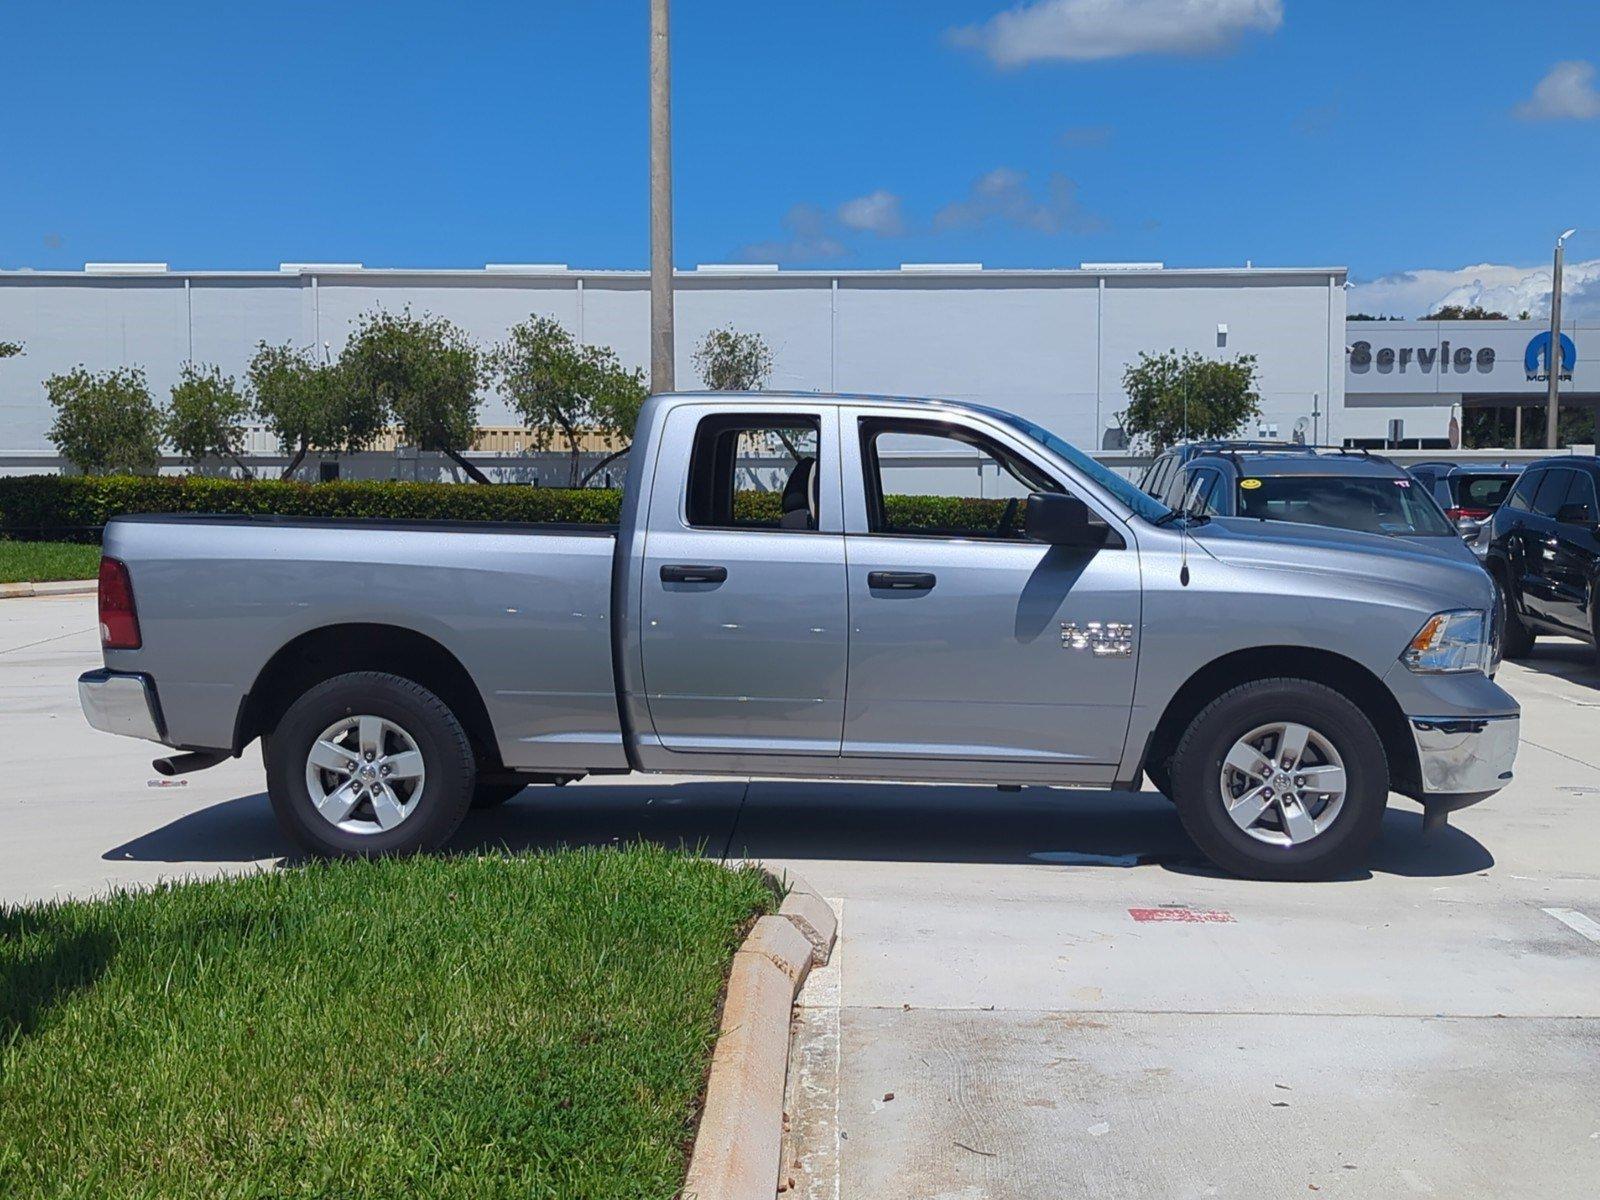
[{"x": 1577, "y": 922}]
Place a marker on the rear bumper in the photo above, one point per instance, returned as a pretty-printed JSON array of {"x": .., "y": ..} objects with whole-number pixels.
[
  {"x": 1463, "y": 759},
  {"x": 121, "y": 702}
]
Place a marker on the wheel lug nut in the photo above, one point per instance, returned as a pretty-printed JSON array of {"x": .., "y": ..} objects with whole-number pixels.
[
  {"x": 367, "y": 755},
  {"x": 1299, "y": 781},
  {"x": 384, "y": 769}
]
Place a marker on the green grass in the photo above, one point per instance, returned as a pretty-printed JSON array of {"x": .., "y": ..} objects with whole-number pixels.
[
  {"x": 470, "y": 1027},
  {"x": 37, "y": 562}
]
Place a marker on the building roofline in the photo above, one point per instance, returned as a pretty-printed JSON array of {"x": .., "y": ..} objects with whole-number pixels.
[{"x": 717, "y": 277}]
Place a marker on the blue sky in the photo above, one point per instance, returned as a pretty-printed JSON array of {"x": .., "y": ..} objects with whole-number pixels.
[{"x": 1387, "y": 137}]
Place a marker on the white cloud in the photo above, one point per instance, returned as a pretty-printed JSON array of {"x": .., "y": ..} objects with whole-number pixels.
[
  {"x": 809, "y": 239},
  {"x": 1498, "y": 287},
  {"x": 1566, "y": 93},
  {"x": 877, "y": 212},
  {"x": 1004, "y": 195},
  {"x": 1084, "y": 30}
]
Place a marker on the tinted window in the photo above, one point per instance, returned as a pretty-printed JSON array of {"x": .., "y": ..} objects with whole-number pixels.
[
  {"x": 1482, "y": 491},
  {"x": 1157, "y": 478},
  {"x": 1200, "y": 496},
  {"x": 1372, "y": 505},
  {"x": 1521, "y": 497},
  {"x": 1552, "y": 492},
  {"x": 754, "y": 472},
  {"x": 1578, "y": 507},
  {"x": 1173, "y": 492},
  {"x": 944, "y": 481}
]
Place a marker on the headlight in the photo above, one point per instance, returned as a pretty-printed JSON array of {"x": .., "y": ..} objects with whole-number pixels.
[{"x": 1452, "y": 642}]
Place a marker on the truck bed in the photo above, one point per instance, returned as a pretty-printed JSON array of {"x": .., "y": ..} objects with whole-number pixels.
[{"x": 524, "y": 608}]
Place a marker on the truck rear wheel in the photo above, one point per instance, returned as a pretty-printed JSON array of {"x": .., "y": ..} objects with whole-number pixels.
[
  {"x": 369, "y": 764},
  {"x": 1281, "y": 779}
]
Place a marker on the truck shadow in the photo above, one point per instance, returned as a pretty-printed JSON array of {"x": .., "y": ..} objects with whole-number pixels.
[
  {"x": 1564, "y": 658},
  {"x": 781, "y": 819}
]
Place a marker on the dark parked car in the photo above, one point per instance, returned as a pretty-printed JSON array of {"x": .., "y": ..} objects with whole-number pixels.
[
  {"x": 1468, "y": 492},
  {"x": 1342, "y": 489},
  {"x": 1543, "y": 548}
]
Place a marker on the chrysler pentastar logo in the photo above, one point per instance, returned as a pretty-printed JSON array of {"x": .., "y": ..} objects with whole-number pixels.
[{"x": 1103, "y": 639}]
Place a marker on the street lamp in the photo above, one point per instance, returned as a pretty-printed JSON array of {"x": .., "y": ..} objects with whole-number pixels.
[{"x": 1553, "y": 355}]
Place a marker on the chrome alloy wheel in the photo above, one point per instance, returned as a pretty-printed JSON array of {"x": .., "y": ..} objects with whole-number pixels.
[
  {"x": 365, "y": 774},
  {"x": 1283, "y": 783}
]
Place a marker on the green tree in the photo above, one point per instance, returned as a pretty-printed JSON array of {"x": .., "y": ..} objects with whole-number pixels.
[
  {"x": 307, "y": 405},
  {"x": 10, "y": 349},
  {"x": 425, "y": 373},
  {"x": 1172, "y": 397},
  {"x": 106, "y": 423},
  {"x": 206, "y": 415},
  {"x": 1469, "y": 312},
  {"x": 730, "y": 361},
  {"x": 563, "y": 390}
]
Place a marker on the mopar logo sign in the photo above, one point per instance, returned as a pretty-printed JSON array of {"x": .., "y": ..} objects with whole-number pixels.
[{"x": 1536, "y": 359}]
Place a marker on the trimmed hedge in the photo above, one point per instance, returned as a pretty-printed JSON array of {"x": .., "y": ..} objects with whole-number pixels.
[{"x": 76, "y": 508}]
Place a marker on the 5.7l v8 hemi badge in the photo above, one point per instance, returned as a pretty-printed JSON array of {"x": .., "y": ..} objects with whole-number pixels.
[{"x": 1103, "y": 639}]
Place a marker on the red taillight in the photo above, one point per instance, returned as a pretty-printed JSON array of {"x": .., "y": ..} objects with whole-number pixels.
[
  {"x": 1477, "y": 514},
  {"x": 119, "y": 621}
]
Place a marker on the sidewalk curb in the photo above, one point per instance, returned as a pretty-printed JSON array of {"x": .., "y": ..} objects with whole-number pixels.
[
  {"x": 738, "y": 1149},
  {"x": 57, "y": 587}
]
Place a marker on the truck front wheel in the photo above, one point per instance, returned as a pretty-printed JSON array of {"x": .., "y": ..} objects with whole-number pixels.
[
  {"x": 1281, "y": 779},
  {"x": 369, "y": 764}
]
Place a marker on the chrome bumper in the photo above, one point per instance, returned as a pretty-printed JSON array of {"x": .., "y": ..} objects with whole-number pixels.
[
  {"x": 119, "y": 703},
  {"x": 1465, "y": 755}
]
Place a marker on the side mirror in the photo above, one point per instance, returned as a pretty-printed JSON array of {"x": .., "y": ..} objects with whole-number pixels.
[
  {"x": 1468, "y": 528},
  {"x": 1061, "y": 520}
]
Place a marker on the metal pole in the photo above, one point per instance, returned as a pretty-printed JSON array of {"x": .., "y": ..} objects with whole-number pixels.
[
  {"x": 661, "y": 334},
  {"x": 1553, "y": 357}
]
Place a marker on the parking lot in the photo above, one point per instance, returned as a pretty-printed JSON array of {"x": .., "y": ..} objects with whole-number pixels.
[{"x": 1040, "y": 993}]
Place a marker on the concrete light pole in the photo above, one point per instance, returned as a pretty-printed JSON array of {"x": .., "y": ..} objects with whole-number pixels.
[
  {"x": 661, "y": 330},
  {"x": 1553, "y": 357}
]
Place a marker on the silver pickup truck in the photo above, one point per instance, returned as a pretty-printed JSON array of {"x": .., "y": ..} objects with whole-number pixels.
[{"x": 835, "y": 587}]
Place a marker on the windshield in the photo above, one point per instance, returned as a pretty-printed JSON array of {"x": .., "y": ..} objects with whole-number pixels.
[
  {"x": 1398, "y": 507},
  {"x": 1124, "y": 490},
  {"x": 1482, "y": 491}
]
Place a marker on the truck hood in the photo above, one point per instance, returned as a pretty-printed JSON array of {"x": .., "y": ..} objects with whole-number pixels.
[{"x": 1457, "y": 579}]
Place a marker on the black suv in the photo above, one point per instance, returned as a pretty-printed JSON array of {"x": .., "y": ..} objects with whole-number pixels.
[{"x": 1543, "y": 548}]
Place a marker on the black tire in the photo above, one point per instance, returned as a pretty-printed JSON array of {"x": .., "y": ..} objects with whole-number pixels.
[
  {"x": 1159, "y": 773},
  {"x": 1516, "y": 640},
  {"x": 447, "y": 788},
  {"x": 493, "y": 795},
  {"x": 1197, "y": 768}
]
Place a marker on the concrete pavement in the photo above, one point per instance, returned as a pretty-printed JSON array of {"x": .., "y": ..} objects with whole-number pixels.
[{"x": 1426, "y": 1029}]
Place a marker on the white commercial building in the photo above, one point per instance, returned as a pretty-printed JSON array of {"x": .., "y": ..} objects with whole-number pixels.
[{"x": 1051, "y": 345}]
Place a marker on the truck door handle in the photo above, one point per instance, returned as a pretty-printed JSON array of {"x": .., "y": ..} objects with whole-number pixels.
[
  {"x": 901, "y": 581},
  {"x": 684, "y": 573}
]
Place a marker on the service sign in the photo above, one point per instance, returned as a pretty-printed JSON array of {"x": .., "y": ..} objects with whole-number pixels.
[{"x": 1471, "y": 357}]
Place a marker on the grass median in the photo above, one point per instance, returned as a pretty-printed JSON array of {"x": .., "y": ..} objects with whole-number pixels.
[
  {"x": 468, "y": 1027},
  {"x": 41, "y": 562}
]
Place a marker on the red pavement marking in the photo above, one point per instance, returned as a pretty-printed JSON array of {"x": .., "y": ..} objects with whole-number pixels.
[{"x": 1212, "y": 915}]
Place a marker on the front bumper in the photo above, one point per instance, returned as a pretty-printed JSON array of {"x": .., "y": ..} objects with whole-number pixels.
[
  {"x": 120, "y": 702},
  {"x": 1463, "y": 759}
]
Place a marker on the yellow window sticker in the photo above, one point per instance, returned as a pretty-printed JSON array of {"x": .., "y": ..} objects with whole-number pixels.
[{"x": 1249, "y": 485}]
